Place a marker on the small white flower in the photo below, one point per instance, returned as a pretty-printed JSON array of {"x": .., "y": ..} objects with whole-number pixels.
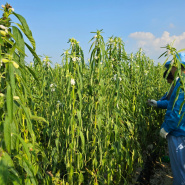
[
  {"x": 52, "y": 89},
  {"x": 2, "y": 6},
  {"x": 101, "y": 63},
  {"x": 172, "y": 62},
  {"x": 115, "y": 77},
  {"x": 51, "y": 85},
  {"x": 112, "y": 65},
  {"x": 12, "y": 9},
  {"x": 4, "y": 28},
  {"x": 95, "y": 36},
  {"x": 74, "y": 59},
  {"x": 112, "y": 59},
  {"x": 168, "y": 52},
  {"x": 120, "y": 78},
  {"x": 137, "y": 66},
  {"x": 33, "y": 87},
  {"x": 146, "y": 72},
  {"x": 96, "y": 57},
  {"x": 77, "y": 58},
  {"x": 58, "y": 102},
  {"x": 72, "y": 81},
  {"x": 117, "y": 106}
]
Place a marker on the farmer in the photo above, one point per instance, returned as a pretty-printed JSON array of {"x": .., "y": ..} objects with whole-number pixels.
[
  {"x": 175, "y": 133},
  {"x": 163, "y": 102}
]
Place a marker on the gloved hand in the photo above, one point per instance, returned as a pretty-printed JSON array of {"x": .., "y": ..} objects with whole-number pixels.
[
  {"x": 152, "y": 103},
  {"x": 163, "y": 133}
]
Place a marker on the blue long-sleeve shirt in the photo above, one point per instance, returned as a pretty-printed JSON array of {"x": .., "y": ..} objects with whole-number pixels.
[
  {"x": 172, "y": 115},
  {"x": 163, "y": 102}
]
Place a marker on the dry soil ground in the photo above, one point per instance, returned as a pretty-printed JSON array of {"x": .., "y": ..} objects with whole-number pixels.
[{"x": 162, "y": 174}]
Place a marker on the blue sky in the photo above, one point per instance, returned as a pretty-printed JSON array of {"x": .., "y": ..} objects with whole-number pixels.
[{"x": 144, "y": 23}]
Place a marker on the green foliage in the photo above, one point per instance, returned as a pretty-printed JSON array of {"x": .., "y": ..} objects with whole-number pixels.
[
  {"x": 98, "y": 121},
  {"x": 25, "y": 29},
  {"x": 75, "y": 123},
  {"x": 19, "y": 152}
]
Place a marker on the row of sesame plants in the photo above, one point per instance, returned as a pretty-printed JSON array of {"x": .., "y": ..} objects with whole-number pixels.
[
  {"x": 77, "y": 122},
  {"x": 99, "y": 123}
]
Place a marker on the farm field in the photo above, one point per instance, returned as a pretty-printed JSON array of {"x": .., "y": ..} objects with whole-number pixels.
[{"x": 77, "y": 122}]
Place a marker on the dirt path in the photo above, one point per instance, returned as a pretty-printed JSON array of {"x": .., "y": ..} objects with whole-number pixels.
[{"x": 162, "y": 173}]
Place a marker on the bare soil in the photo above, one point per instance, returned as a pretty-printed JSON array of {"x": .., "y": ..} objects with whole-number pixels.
[{"x": 162, "y": 173}]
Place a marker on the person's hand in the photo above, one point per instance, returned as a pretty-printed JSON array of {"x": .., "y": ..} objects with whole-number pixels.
[
  {"x": 163, "y": 133},
  {"x": 152, "y": 103}
]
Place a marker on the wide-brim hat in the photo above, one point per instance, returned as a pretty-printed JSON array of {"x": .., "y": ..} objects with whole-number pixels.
[{"x": 182, "y": 60}]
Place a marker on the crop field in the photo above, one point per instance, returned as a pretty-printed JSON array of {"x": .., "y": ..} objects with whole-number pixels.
[{"x": 76, "y": 123}]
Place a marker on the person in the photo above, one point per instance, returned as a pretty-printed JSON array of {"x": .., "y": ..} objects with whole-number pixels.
[
  {"x": 163, "y": 102},
  {"x": 174, "y": 130}
]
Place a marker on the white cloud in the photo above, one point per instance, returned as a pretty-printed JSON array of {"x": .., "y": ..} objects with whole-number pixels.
[
  {"x": 141, "y": 35},
  {"x": 152, "y": 45},
  {"x": 171, "y": 25},
  {"x": 142, "y": 43}
]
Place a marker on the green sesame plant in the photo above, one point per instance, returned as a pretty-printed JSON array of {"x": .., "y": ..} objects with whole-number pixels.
[
  {"x": 20, "y": 155},
  {"x": 99, "y": 122},
  {"x": 74, "y": 123}
]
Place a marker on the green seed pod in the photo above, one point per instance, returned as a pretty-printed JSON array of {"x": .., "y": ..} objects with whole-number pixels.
[{"x": 3, "y": 33}]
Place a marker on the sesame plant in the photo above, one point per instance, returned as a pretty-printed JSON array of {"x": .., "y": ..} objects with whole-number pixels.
[
  {"x": 99, "y": 123},
  {"x": 74, "y": 123},
  {"x": 20, "y": 155}
]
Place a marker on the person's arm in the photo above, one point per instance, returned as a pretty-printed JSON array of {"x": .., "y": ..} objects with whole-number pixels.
[{"x": 162, "y": 104}]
